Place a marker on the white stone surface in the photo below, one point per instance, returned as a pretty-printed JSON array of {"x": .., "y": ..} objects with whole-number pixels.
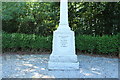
[
  {"x": 64, "y": 12},
  {"x": 63, "y": 55},
  {"x": 63, "y": 43},
  {"x": 62, "y": 58},
  {"x": 63, "y": 66}
]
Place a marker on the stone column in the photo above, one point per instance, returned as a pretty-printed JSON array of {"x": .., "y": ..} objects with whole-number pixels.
[
  {"x": 64, "y": 12},
  {"x": 63, "y": 55},
  {"x": 64, "y": 15}
]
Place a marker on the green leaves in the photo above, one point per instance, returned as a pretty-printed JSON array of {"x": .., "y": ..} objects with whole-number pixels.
[
  {"x": 90, "y": 44},
  {"x": 12, "y": 10},
  {"x": 107, "y": 44},
  {"x": 23, "y": 41},
  {"x": 95, "y": 18},
  {"x": 86, "y": 43},
  {"x": 42, "y": 17}
]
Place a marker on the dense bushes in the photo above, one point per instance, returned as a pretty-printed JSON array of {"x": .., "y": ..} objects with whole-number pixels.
[
  {"x": 99, "y": 45},
  {"x": 86, "y": 43},
  {"x": 107, "y": 44},
  {"x": 18, "y": 41}
]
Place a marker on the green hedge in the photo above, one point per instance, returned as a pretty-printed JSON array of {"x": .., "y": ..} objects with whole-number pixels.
[
  {"x": 86, "y": 43},
  {"x": 90, "y": 44},
  {"x": 96, "y": 44},
  {"x": 18, "y": 41}
]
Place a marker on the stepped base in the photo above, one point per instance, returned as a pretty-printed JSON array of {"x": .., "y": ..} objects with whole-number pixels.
[
  {"x": 63, "y": 55},
  {"x": 63, "y": 58},
  {"x": 63, "y": 66}
]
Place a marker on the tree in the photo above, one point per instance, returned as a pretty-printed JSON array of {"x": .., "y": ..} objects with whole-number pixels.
[{"x": 42, "y": 18}]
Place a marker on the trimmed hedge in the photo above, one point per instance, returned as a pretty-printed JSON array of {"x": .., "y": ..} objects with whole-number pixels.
[
  {"x": 96, "y": 44},
  {"x": 25, "y": 42},
  {"x": 87, "y": 43}
]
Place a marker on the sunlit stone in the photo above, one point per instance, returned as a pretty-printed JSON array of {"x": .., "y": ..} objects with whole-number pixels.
[{"x": 63, "y": 55}]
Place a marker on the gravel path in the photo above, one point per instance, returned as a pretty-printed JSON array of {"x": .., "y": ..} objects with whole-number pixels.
[{"x": 35, "y": 66}]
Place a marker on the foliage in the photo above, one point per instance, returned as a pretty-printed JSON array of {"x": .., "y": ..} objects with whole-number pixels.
[
  {"x": 95, "y": 18},
  {"x": 86, "y": 43},
  {"x": 42, "y": 18},
  {"x": 18, "y": 41},
  {"x": 107, "y": 44},
  {"x": 90, "y": 44},
  {"x": 29, "y": 18},
  {"x": 98, "y": 44}
]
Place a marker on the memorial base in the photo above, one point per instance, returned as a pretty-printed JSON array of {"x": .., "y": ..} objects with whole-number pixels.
[
  {"x": 63, "y": 55},
  {"x": 62, "y": 62},
  {"x": 63, "y": 66}
]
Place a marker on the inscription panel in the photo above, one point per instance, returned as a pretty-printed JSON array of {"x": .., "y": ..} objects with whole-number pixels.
[{"x": 64, "y": 41}]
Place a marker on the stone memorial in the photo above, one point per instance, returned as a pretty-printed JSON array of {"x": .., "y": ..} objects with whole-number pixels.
[{"x": 63, "y": 55}]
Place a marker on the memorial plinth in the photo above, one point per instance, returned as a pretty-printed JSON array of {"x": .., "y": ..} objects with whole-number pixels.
[{"x": 63, "y": 55}]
